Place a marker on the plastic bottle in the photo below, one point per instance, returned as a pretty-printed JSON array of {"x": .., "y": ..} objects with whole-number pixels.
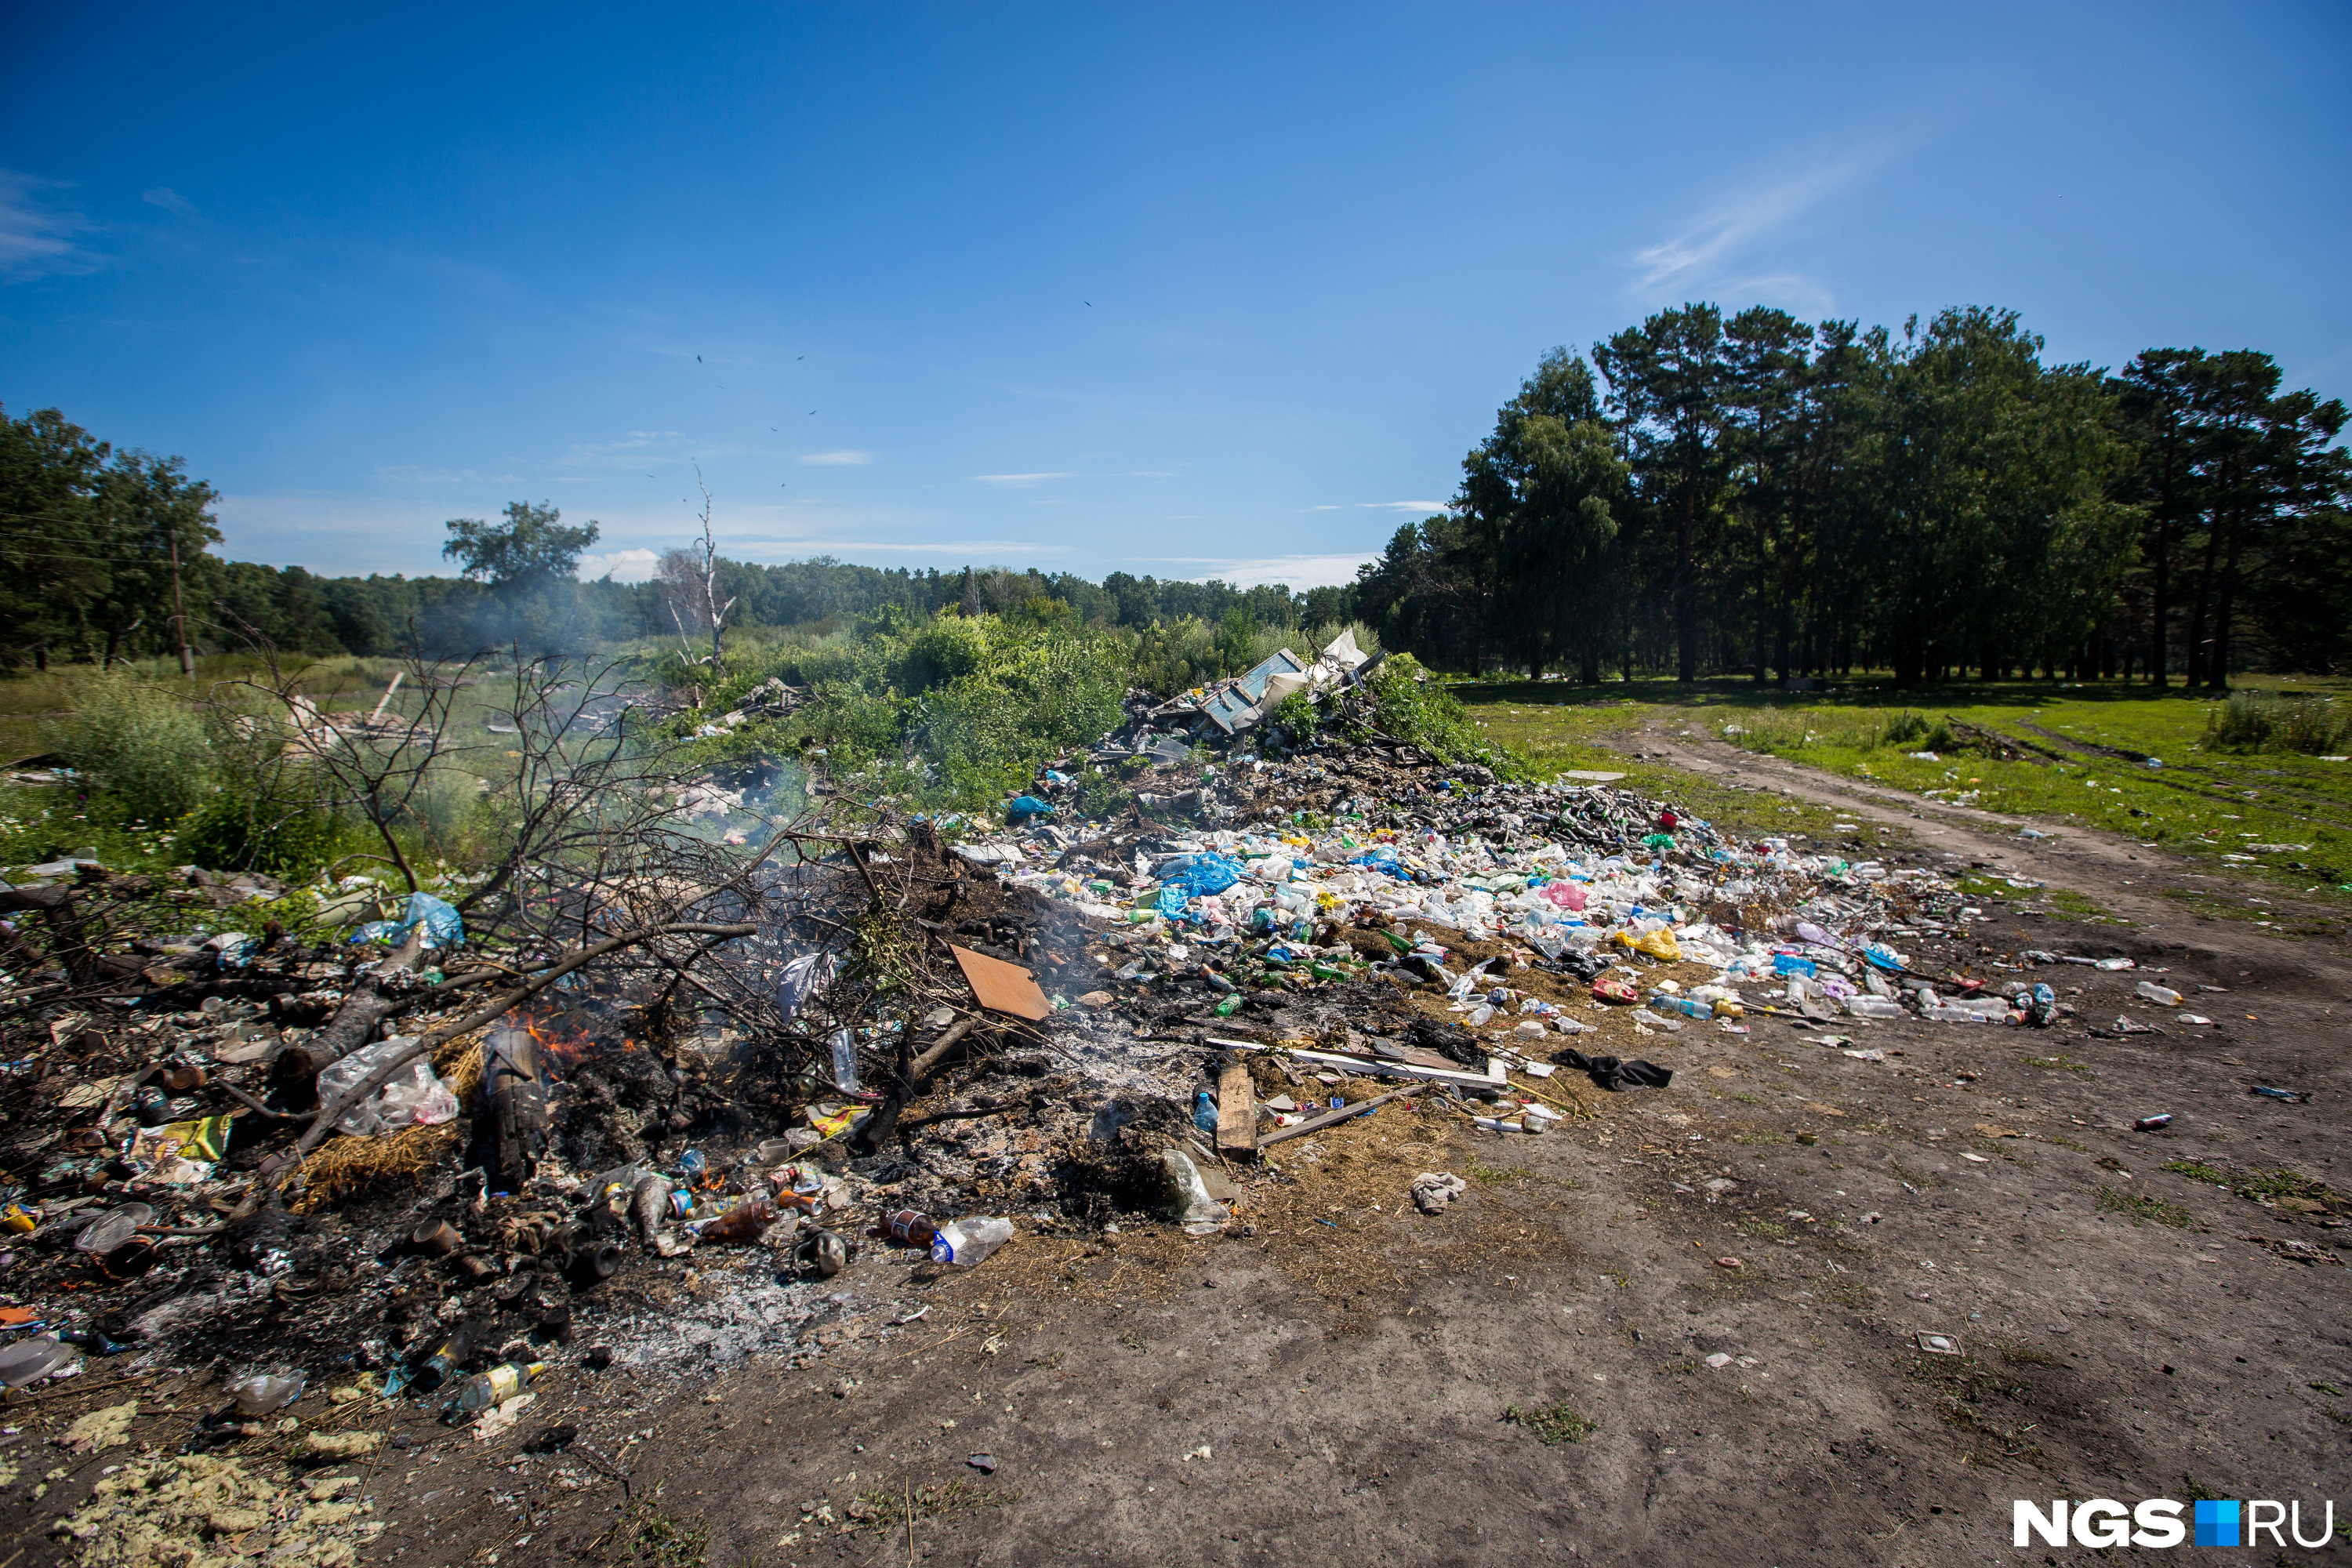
[
  {"x": 907, "y": 1225},
  {"x": 1873, "y": 1007},
  {"x": 1682, "y": 1005},
  {"x": 1730, "y": 1008},
  {"x": 260, "y": 1396},
  {"x": 1792, "y": 964},
  {"x": 746, "y": 1221},
  {"x": 455, "y": 1351},
  {"x": 501, "y": 1383},
  {"x": 2162, "y": 995},
  {"x": 1948, "y": 1012},
  {"x": 969, "y": 1241}
]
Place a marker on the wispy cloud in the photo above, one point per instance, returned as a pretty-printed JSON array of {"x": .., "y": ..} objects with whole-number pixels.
[
  {"x": 843, "y": 458},
  {"x": 1700, "y": 256},
  {"x": 1424, "y": 507},
  {"x": 37, "y": 239},
  {"x": 410, "y": 473},
  {"x": 170, "y": 200},
  {"x": 630, "y": 450},
  {"x": 1017, "y": 481}
]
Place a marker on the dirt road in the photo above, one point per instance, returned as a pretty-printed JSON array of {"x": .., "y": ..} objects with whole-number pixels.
[{"x": 1685, "y": 1326}]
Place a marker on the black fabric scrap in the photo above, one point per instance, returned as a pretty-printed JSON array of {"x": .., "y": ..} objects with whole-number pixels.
[
  {"x": 1613, "y": 1075},
  {"x": 1448, "y": 1040},
  {"x": 1585, "y": 966}
]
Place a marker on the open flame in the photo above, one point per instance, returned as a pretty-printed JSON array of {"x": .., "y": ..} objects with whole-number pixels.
[{"x": 564, "y": 1040}]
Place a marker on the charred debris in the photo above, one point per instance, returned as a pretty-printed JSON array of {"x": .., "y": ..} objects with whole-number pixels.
[{"x": 428, "y": 1125}]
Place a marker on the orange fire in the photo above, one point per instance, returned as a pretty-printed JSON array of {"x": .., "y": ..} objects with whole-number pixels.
[{"x": 564, "y": 1040}]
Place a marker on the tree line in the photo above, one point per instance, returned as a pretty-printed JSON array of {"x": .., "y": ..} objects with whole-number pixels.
[
  {"x": 1702, "y": 495},
  {"x": 108, "y": 554},
  {"x": 1760, "y": 496}
]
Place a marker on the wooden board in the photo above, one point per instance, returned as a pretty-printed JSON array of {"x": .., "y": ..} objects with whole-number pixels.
[
  {"x": 1236, "y": 1112},
  {"x": 1361, "y": 1107},
  {"x": 1495, "y": 1073}
]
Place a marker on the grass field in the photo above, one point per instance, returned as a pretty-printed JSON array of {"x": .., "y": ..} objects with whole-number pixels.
[{"x": 2281, "y": 819}]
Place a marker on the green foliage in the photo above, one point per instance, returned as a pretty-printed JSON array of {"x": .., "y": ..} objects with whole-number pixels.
[
  {"x": 1913, "y": 732},
  {"x": 532, "y": 548},
  {"x": 956, "y": 709},
  {"x": 2140, "y": 1210},
  {"x": 239, "y": 830},
  {"x": 1554, "y": 1424},
  {"x": 1407, "y": 706},
  {"x": 141, "y": 744},
  {"x": 2260, "y": 721}
]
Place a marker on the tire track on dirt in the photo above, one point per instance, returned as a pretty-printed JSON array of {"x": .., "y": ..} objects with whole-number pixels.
[{"x": 2127, "y": 876}]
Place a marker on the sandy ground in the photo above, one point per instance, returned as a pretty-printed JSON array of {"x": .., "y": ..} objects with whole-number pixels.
[{"x": 1715, "y": 1291}]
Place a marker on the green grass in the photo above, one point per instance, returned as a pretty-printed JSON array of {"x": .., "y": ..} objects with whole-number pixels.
[
  {"x": 2202, "y": 804},
  {"x": 2057, "y": 1064},
  {"x": 2139, "y": 1210},
  {"x": 1554, "y": 1424}
]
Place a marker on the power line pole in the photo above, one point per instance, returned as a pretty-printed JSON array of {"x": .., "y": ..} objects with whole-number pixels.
[{"x": 179, "y": 614}]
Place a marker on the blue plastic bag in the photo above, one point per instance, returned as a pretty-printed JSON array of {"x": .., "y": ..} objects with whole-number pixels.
[
  {"x": 1024, "y": 809},
  {"x": 443, "y": 927}
]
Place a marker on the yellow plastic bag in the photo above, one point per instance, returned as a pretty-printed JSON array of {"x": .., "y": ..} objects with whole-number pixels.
[{"x": 1658, "y": 944}]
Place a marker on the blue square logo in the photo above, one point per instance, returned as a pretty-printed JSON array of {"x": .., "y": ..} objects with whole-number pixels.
[{"x": 2217, "y": 1523}]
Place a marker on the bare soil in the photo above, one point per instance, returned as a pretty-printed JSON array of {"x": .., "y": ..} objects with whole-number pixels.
[{"x": 1333, "y": 1383}]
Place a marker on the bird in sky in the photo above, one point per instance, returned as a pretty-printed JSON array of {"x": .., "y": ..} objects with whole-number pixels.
[
  {"x": 1090, "y": 304},
  {"x": 799, "y": 356},
  {"x": 812, "y": 411},
  {"x": 697, "y": 359}
]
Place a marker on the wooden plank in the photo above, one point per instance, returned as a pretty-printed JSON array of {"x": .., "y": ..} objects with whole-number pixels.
[
  {"x": 1495, "y": 1073},
  {"x": 1236, "y": 1112},
  {"x": 1330, "y": 1117}
]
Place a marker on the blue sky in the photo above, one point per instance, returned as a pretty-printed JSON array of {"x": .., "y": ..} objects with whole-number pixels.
[{"x": 1184, "y": 290}]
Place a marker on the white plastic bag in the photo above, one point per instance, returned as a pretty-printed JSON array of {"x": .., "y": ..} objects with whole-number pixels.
[{"x": 414, "y": 1095}]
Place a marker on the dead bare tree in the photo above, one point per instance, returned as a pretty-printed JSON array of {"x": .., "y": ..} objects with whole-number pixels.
[{"x": 689, "y": 587}]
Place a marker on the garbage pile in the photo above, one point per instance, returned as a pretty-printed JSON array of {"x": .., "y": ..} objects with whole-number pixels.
[
  {"x": 1217, "y": 712},
  {"x": 281, "y": 1156}
]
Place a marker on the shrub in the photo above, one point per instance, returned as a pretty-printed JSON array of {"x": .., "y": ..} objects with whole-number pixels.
[
  {"x": 2254, "y": 721},
  {"x": 142, "y": 745},
  {"x": 2243, "y": 724},
  {"x": 2310, "y": 727},
  {"x": 240, "y": 829}
]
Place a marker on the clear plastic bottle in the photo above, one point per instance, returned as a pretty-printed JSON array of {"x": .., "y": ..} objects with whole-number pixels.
[
  {"x": 502, "y": 1382},
  {"x": 2162, "y": 995},
  {"x": 968, "y": 1241},
  {"x": 1683, "y": 1005},
  {"x": 270, "y": 1391},
  {"x": 1873, "y": 1007}
]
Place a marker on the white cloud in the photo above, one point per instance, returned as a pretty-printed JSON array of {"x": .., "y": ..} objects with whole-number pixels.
[
  {"x": 170, "y": 200},
  {"x": 1424, "y": 507},
  {"x": 35, "y": 239},
  {"x": 843, "y": 458},
  {"x": 1295, "y": 572},
  {"x": 1018, "y": 481},
  {"x": 621, "y": 565}
]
